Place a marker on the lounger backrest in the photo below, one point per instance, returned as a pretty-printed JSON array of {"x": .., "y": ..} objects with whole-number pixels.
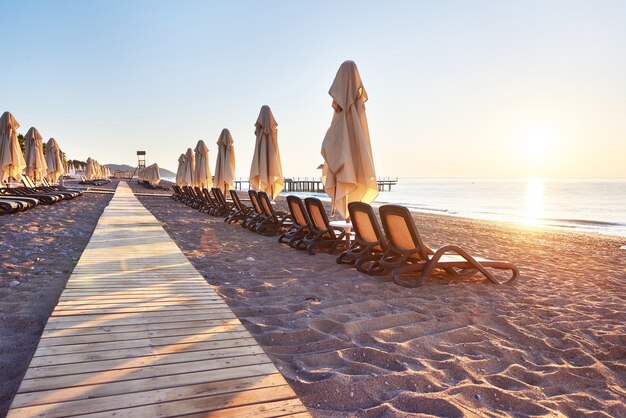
[
  {"x": 317, "y": 214},
  {"x": 401, "y": 230},
  {"x": 254, "y": 199},
  {"x": 207, "y": 197},
  {"x": 266, "y": 205},
  {"x": 365, "y": 224},
  {"x": 45, "y": 182},
  {"x": 236, "y": 201},
  {"x": 298, "y": 212},
  {"x": 26, "y": 181}
]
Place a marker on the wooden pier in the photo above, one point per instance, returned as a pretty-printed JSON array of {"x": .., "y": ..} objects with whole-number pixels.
[{"x": 314, "y": 184}]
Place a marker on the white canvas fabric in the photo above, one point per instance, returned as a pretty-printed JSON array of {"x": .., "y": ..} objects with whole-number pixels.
[
  {"x": 187, "y": 178},
  {"x": 266, "y": 173},
  {"x": 348, "y": 174},
  {"x": 54, "y": 161},
  {"x": 11, "y": 158},
  {"x": 36, "y": 166},
  {"x": 225, "y": 165},
  {"x": 181, "y": 169},
  {"x": 203, "y": 171}
]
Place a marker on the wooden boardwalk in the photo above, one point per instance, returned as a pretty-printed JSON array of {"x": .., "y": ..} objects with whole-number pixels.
[{"x": 138, "y": 332}]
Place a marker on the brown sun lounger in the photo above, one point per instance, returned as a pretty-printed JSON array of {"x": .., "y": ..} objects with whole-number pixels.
[
  {"x": 240, "y": 212},
  {"x": 9, "y": 205},
  {"x": 408, "y": 255},
  {"x": 224, "y": 207},
  {"x": 322, "y": 236},
  {"x": 301, "y": 223},
  {"x": 369, "y": 243},
  {"x": 273, "y": 220},
  {"x": 257, "y": 216}
]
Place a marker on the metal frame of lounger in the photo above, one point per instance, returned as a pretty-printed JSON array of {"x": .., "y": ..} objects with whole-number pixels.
[
  {"x": 274, "y": 220},
  {"x": 369, "y": 244},
  {"x": 301, "y": 223},
  {"x": 322, "y": 235},
  {"x": 422, "y": 260}
]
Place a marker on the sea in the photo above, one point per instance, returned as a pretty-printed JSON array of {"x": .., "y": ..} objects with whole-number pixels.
[{"x": 586, "y": 205}]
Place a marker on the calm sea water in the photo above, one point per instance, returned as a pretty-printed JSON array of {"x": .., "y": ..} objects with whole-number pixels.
[{"x": 590, "y": 205}]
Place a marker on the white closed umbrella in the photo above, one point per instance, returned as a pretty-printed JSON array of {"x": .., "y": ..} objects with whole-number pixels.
[
  {"x": 348, "y": 174},
  {"x": 11, "y": 158},
  {"x": 187, "y": 178},
  {"x": 54, "y": 161},
  {"x": 203, "y": 172},
  {"x": 180, "y": 172},
  {"x": 266, "y": 173},
  {"x": 225, "y": 164},
  {"x": 36, "y": 166}
]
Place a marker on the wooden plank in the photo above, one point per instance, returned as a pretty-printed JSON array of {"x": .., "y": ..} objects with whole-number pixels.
[
  {"x": 139, "y": 332},
  {"x": 92, "y": 391},
  {"x": 116, "y": 402},
  {"x": 139, "y": 352},
  {"x": 124, "y": 336},
  {"x": 138, "y": 373},
  {"x": 147, "y": 327},
  {"x": 143, "y": 361},
  {"x": 140, "y": 342}
]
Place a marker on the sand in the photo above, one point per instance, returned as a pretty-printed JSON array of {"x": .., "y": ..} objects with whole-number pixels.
[
  {"x": 39, "y": 250},
  {"x": 353, "y": 345}
]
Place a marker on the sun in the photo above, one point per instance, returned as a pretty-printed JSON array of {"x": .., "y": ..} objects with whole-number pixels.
[{"x": 538, "y": 143}]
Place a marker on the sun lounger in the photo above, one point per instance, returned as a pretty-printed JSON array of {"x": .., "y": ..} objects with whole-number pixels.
[
  {"x": 60, "y": 188},
  {"x": 273, "y": 220},
  {"x": 408, "y": 255},
  {"x": 224, "y": 208},
  {"x": 240, "y": 212},
  {"x": 301, "y": 223},
  {"x": 322, "y": 235},
  {"x": 10, "y": 205},
  {"x": 30, "y": 184},
  {"x": 44, "y": 198},
  {"x": 369, "y": 243},
  {"x": 256, "y": 216}
]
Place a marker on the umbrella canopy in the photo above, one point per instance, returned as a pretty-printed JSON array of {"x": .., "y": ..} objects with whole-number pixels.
[
  {"x": 188, "y": 175},
  {"x": 11, "y": 158},
  {"x": 152, "y": 175},
  {"x": 54, "y": 161},
  {"x": 203, "y": 172},
  {"x": 266, "y": 173},
  {"x": 89, "y": 169},
  {"x": 225, "y": 165},
  {"x": 348, "y": 174},
  {"x": 180, "y": 172},
  {"x": 36, "y": 166}
]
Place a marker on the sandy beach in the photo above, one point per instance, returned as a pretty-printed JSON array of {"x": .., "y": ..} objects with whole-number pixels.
[
  {"x": 40, "y": 247},
  {"x": 354, "y": 345}
]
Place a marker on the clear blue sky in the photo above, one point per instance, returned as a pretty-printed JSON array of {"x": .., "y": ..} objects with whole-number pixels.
[{"x": 457, "y": 88}]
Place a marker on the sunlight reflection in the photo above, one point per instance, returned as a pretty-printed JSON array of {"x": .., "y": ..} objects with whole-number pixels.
[{"x": 533, "y": 200}]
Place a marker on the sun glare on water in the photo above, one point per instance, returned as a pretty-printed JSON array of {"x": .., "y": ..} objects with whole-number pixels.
[{"x": 533, "y": 200}]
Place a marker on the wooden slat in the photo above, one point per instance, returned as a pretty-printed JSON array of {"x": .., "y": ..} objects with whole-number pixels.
[{"x": 138, "y": 332}]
